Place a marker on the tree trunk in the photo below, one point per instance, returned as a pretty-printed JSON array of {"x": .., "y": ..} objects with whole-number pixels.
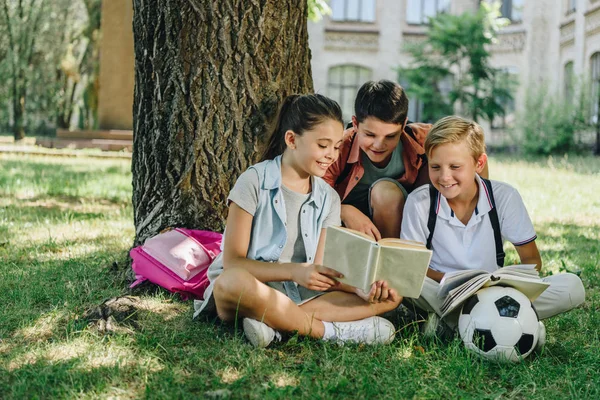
[
  {"x": 209, "y": 77},
  {"x": 19, "y": 116}
]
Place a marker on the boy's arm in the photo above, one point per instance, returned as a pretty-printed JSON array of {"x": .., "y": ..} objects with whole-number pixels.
[
  {"x": 353, "y": 218},
  {"x": 529, "y": 254}
]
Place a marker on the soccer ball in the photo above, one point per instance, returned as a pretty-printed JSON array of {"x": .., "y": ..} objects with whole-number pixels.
[{"x": 499, "y": 323}]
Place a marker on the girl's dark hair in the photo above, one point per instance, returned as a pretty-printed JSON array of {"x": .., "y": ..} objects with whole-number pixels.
[{"x": 300, "y": 113}]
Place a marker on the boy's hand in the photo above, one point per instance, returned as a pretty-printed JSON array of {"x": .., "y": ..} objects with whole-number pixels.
[
  {"x": 380, "y": 292},
  {"x": 315, "y": 277},
  {"x": 353, "y": 218}
]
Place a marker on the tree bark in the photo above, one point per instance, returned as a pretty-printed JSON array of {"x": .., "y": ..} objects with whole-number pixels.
[{"x": 209, "y": 77}]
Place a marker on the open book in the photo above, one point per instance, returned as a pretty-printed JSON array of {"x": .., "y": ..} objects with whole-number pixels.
[
  {"x": 362, "y": 260},
  {"x": 456, "y": 287}
]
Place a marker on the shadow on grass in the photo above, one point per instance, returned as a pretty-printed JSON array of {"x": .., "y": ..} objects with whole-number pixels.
[{"x": 571, "y": 248}]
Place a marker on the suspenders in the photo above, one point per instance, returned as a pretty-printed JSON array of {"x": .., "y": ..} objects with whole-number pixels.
[{"x": 493, "y": 214}]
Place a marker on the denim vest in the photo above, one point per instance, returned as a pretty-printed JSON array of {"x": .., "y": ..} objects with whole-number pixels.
[{"x": 269, "y": 234}]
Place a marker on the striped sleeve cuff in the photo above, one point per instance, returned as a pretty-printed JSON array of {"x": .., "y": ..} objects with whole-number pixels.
[{"x": 521, "y": 243}]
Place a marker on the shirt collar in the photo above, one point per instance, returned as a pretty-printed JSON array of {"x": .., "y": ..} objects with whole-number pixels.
[
  {"x": 484, "y": 203},
  {"x": 272, "y": 181}
]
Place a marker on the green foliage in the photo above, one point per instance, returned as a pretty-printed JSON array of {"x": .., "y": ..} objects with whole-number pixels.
[
  {"x": 456, "y": 46},
  {"x": 317, "y": 8},
  {"x": 550, "y": 124},
  {"x": 65, "y": 221},
  {"x": 48, "y": 63}
]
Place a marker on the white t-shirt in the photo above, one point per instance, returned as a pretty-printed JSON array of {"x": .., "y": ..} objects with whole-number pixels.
[{"x": 457, "y": 246}]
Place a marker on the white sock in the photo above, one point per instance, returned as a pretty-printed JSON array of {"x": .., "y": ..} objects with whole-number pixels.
[{"x": 329, "y": 331}]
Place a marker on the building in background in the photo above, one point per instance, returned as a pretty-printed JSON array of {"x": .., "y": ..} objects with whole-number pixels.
[{"x": 548, "y": 41}]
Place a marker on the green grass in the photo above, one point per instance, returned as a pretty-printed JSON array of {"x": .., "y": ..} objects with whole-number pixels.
[{"x": 64, "y": 222}]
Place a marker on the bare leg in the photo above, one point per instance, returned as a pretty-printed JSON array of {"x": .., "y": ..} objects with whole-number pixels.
[
  {"x": 342, "y": 306},
  {"x": 387, "y": 203},
  {"x": 238, "y": 293}
]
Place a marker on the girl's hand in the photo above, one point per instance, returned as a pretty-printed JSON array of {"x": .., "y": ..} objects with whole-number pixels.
[
  {"x": 315, "y": 277},
  {"x": 380, "y": 292}
]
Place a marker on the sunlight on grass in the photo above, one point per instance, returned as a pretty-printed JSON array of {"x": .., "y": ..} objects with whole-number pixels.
[
  {"x": 229, "y": 375},
  {"x": 87, "y": 355},
  {"x": 404, "y": 352},
  {"x": 166, "y": 310},
  {"x": 42, "y": 329},
  {"x": 283, "y": 379}
]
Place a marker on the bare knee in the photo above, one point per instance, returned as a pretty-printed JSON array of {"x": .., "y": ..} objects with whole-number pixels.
[
  {"x": 230, "y": 287},
  {"x": 386, "y": 195}
]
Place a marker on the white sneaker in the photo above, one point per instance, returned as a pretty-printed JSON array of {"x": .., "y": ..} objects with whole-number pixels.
[
  {"x": 372, "y": 330},
  {"x": 259, "y": 334},
  {"x": 539, "y": 346}
]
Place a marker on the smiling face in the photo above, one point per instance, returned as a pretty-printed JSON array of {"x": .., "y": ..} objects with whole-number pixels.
[
  {"x": 377, "y": 139},
  {"x": 316, "y": 149},
  {"x": 452, "y": 170}
]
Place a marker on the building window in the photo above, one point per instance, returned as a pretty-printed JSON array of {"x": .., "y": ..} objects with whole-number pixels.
[
  {"x": 595, "y": 77},
  {"x": 571, "y": 6},
  {"x": 512, "y": 9},
  {"x": 419, "y": 11},
  {"x": 506, "y": 80},
  {"x": 568, "y": 81},
  {"x": 353, "y": 10},
  {"x": 343, "y": 83}
]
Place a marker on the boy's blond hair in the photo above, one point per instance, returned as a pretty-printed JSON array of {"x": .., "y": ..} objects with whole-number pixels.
[{"x": 453, "y": 129}]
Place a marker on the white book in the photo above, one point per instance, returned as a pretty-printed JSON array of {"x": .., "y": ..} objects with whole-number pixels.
[
  {"x": 456, "y": 287},
  {"x": 363, "y": 260}
]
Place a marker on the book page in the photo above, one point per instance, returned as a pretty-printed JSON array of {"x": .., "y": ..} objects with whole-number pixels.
[
  {"x": 530, "y": 286},
  {"x": 404, "y": 268},
  {"x": 531, "y": 289},
  {"x": 393, "y": 242},
  {"x": 452, "y": 280},
  {"x": 352, "y": 255},
  {"x": 355, "y": 232}
]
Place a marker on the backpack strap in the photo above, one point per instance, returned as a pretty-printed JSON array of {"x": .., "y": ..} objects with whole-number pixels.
[
  {"x": 348, "y": 166},
  {"x": 433, "y": 199},
  {"x": 495, "y": 225}
]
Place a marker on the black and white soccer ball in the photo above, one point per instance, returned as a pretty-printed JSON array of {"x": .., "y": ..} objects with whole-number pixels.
[{"x": 499, "y": 323}]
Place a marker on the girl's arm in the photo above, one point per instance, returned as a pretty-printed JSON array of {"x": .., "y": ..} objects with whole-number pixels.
[
  {"x": 237, "y": 240},
  {"x": 529, "y": 254}
]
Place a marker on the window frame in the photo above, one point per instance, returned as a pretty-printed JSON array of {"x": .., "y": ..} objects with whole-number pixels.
[
  {"x": 507, "y": 10},
  {"x": 333, "y": 4},
  {"x": 440, "y": 6},
  {"x": 341, "y": 87}
]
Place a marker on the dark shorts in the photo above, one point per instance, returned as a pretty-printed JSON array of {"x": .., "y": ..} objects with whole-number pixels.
[{"x": 363, "y": 203}]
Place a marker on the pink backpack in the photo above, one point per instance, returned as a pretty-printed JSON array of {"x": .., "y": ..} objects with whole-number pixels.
[{"x": 177, "y": 260}]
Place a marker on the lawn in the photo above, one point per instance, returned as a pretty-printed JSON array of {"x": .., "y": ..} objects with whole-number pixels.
[{"x": 65, "y": 230}]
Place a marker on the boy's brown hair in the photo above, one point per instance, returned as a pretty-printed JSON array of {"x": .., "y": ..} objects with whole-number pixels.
[{"x": 453, "y": 129}]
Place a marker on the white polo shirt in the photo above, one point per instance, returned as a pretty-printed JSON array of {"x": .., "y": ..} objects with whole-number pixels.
[{"x": 457, "y": 246}]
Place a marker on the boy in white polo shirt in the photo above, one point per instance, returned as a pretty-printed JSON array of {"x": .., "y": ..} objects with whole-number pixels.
[{"x": 463, "y": 236}]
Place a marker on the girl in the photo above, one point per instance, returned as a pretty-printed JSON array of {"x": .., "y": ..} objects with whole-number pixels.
[{"x": 270, "y": 269}]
